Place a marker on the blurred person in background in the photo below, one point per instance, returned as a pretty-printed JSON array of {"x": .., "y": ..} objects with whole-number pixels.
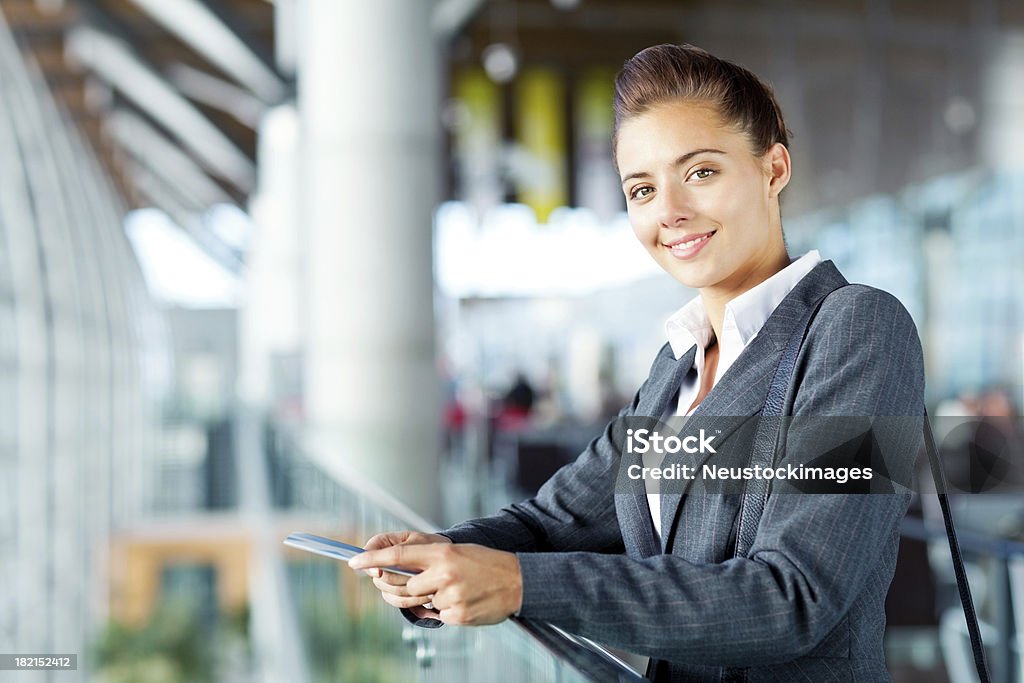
[
  {"x": 702, "y": 151},
  {"x": 513, "y": 410}
]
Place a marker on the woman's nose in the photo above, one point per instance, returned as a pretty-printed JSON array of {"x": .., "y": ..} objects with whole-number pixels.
[{"x": 674, "y": 207}]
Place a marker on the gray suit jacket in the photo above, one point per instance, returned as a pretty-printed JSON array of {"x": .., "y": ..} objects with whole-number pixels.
[{"x": 807, "y": 603}]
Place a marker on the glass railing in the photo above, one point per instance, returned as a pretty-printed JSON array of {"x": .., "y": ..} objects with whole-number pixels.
[{"x": 347, "y": 633}]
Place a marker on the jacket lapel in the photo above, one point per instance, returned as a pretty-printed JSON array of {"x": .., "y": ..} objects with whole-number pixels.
[
  {"x": 741, "y": 391},
  {"x": 663, "y": 386}
]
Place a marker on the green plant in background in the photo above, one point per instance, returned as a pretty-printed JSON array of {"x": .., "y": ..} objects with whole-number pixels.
[
  {"x": 365, "y": 667},
  {"x": 349, "y": 647},
  {"x": 173, "y": 647},
  {"x": 235, "y": 625}
]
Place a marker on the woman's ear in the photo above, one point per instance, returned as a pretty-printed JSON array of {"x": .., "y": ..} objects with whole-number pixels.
[{"x": 777, "y": 163}]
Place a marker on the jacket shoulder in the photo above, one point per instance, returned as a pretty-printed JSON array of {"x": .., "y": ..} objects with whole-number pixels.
[
  {"x": 862, "y": 356},
  {"x": 863, "y": 312}
]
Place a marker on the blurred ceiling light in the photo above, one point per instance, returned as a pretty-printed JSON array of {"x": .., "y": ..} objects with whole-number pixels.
[
  {"x": 163, "y": 157},
  {"x": 219, "y": 94},
  {"x": 455, "y": 115},
  {"x": 959, "y": 115},
  {"x": 114, "y": 62},
  {"x": 565, "y": 4},
  {"x": 195, "y": 24},
  {"x": 500, "y": 62}
]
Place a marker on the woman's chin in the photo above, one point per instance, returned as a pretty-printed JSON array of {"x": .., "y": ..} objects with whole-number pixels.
[{"x": 693, "y": 276}]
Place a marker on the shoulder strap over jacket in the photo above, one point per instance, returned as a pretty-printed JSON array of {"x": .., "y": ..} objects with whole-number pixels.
[{"x": 756, "y": 493}]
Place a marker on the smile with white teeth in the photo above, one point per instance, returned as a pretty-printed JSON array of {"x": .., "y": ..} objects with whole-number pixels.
[{"x": 687, "y": 245}]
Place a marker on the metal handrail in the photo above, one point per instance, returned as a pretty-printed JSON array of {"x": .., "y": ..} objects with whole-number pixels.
[
  {"x": 918, "y": 529},
  {"x": 588, "y": 658},
  {"x": 584, "y": 655}
]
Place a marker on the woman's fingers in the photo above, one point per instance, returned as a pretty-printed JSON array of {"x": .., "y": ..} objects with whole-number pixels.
[
  {"x": 386, "y": 540},
  {"x": 393, "y": 587},
  {"x": 385, "y": 586},
  {"x": 392, "y": 579},
  {"x": 405, "y": 601}
]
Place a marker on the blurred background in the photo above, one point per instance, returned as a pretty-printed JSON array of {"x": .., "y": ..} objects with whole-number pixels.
[{"x": 339, "y": 267}]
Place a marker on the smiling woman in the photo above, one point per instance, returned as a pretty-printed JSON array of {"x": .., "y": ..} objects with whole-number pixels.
[
  {"x": 700, "y": 199},
  {"x": 708, "y": 589},
  {"x": 701, "y": 147}
]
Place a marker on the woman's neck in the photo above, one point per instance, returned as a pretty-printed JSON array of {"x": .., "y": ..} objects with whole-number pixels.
[{"x": 717, "y": 296}]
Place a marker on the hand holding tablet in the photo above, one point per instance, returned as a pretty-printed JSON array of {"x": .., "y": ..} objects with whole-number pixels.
[{"x": 337, "y": 550}]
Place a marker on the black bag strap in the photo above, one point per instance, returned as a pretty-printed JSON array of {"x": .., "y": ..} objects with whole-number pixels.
[
  {"x": 977, "y": 647},
  {"x": 767, "y": 435},
  {"x": 763, "y": 453}
]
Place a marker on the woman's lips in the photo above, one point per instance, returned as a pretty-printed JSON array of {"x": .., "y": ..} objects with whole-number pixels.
[{"x": 681, "y": 252}]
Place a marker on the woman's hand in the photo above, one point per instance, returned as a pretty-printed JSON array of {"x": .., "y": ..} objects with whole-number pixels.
[
  {"x": 467, "y": 584},
  {"x": 392, "y": 586}
]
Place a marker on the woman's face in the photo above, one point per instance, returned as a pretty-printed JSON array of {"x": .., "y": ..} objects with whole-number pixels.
[{"x": 699, "y": 200}]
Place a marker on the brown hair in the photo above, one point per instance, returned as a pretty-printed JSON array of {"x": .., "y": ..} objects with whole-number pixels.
[{"x": 684, "y": 72}]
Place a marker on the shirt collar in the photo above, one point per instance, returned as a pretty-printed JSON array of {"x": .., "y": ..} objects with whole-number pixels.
[{"x": 746, "y": 313}]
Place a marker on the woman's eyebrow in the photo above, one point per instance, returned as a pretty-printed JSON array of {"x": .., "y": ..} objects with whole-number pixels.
[{"x": 681, "y": 160}]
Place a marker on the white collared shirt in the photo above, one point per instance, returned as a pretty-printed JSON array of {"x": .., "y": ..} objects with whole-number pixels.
[{"x": 744, "y": 317}]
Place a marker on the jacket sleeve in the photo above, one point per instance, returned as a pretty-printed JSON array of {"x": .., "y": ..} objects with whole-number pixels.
[
  {"x": 813, "y": 553},
  {"x": 573, "y": 511}
]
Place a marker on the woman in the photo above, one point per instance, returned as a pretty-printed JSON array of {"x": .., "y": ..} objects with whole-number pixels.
[{"x": 701, "y": 148}]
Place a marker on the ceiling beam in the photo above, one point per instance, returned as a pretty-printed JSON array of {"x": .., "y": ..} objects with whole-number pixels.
[
  {"x": 116, "y": 64},
  {"x": 202, "y": 29},
  {"x": 217, "y": 93},
  {"x": 161, "y": 156},
  {"x": 235, "y": 19}
]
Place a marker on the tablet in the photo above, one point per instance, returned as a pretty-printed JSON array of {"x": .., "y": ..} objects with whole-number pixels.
[{"x": 337, "y": 550}]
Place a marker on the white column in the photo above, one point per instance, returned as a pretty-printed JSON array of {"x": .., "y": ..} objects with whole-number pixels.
[
  {"x": 368, "y": 98},
  {"x": 270, "y": 323}
]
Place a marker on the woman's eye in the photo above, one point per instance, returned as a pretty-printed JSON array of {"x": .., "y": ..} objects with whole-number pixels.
[
  {"x": 640, "y": 192},
  {"x": 703, "y": 173}
]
